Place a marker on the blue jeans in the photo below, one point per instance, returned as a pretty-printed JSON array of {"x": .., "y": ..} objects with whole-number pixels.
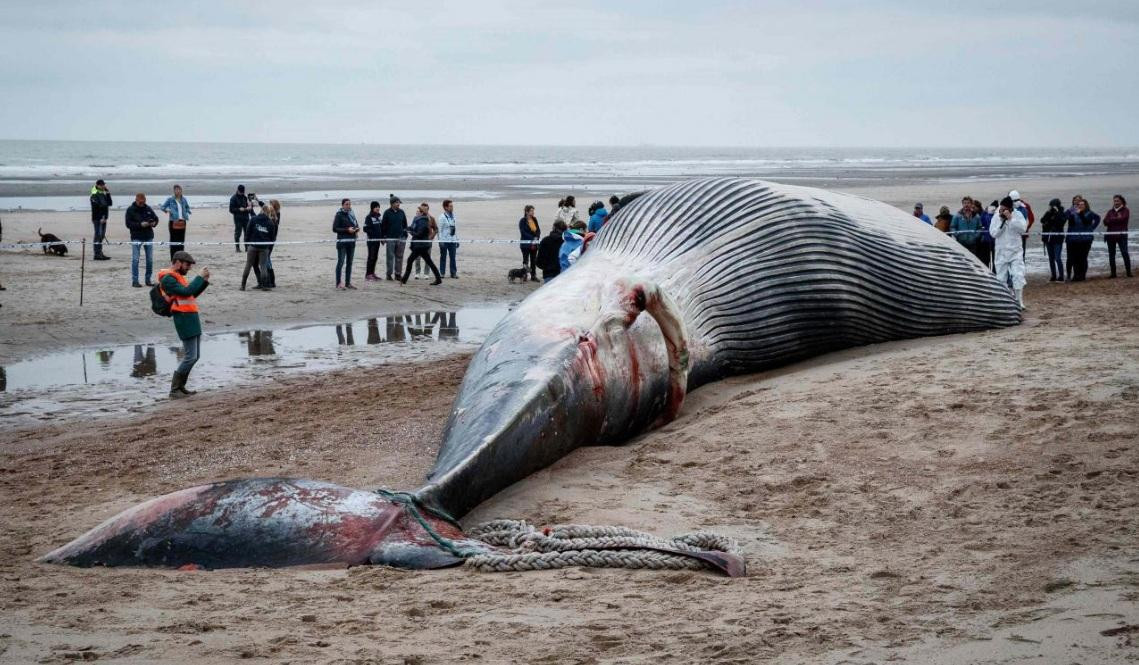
[
  {"x": 1055, "y": 258},
  {"x": 445, "y": 249},
  {"x": 345, "y": 252},
  {"x": 100, "y": 235},
  {"x": 135, "y": 247},
  {"x": 192, "y": 348}
]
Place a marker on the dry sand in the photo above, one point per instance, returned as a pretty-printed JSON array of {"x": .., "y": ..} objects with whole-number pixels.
[{"x": 968, "y": 498}]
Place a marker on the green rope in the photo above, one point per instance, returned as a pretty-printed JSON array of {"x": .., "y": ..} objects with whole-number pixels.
[{"x": 413, "y": 506}]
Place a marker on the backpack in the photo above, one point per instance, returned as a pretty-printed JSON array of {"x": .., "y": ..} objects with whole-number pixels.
[{"x": 159, "y": 303}]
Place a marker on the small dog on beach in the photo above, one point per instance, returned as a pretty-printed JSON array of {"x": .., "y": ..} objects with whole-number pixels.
[
  {"x": 58, "y": 248},
  {"x": 519, "y": 274}
]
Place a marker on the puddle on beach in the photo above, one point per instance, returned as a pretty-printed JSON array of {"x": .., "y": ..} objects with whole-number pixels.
[{"x": 128, "y": 378}]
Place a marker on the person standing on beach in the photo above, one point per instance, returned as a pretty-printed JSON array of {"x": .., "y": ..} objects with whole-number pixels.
[
  {"x": 100, "y": 208},
  {"x": 1081, "y": 226},
  {"x": 919, "y": 212},
  {"x": 432, "y": 233},
  {"x": 548, "y": 251},
  {"x": 141, "y": 220},
  {"x": 421, "y": 245},
  {"x": 597, "y": 216},
  {"x": 448, "y": 238},
  {"x": 345, "y": 227},
  {"x": 178, "y": 210},
  {"x": 1026, "y": 211},
  {"x": 241, "y": 210},
  {"x": 393, "y": 228},
  {"x": 182, "y": 295},
  {"x": 1115, "y": 232},
  {"x": 271, "y": 280},
  {"x": 258, "y": 235},
  {"x": 1006, "y": 229},
  {"x": 1052, "y": 233},
  {"x": 966, "y": 229},
  {"x": 531, "y": 235},
  {"x": 567, "y": 212},
  {"x": 375, "y": 239}
]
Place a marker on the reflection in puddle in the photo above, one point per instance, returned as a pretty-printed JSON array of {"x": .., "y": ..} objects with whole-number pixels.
[{"x": 110, "y": 379}]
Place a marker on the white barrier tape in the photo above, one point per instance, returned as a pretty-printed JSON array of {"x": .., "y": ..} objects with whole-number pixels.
[
  {"x": 436, "y": 241},
  {"x": 201, "y": 243}
]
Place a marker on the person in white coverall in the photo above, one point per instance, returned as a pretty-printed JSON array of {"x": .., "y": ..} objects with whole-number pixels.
[{"x": 1006, "y": 230}]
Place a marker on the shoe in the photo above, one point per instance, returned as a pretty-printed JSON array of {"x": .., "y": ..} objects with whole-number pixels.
[
  {"x": 437, "y": 282},
  {"x": 417, "y": 275},
  {"x": 454, "y": 277},
  {"x": 136, "y": 285},
  {"x": 241, "y": 288},
  {"x": 178, "y": 386},
  {"x": 349, "y": 286},
  {"x": 369, "y": 278},
  {"x": 389, "y": 278},
  {"x": 340, "y": 287},
  {"x": 403, "y": 282},
  {"x": 533, "y": 278},
  {"x": 102, "y": 257},
  {"x": 149, "y": 283}
]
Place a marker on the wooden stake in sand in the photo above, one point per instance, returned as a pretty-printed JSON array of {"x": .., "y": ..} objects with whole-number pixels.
[{"x": 82, "y": 268}]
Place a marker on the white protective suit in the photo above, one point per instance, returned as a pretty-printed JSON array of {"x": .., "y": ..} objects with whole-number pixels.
[{"x": 1008, "y": 254}]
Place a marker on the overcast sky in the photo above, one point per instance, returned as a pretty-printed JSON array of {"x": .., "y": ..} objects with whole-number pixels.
[{"x": 868, "y": 73}]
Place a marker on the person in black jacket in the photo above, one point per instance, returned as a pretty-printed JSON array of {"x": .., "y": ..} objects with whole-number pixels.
[
  {"x": 271, "y": 280},
  {"x": 100, "y": 209},
  {"x": 345, "y": 227},
  {"x": 372, "y": 228},
  {"x": 548, "y": 251},
  {"x": 530, "y": 234},
  {"x": 141, "y": 220},
  {"x": 393, "y": 229},
  {"x": 259, "y": 230},
  {"x": 241, "y": 210},
  {"x": 1052, "y": 233},
  {"x": 421, "y": 245}
]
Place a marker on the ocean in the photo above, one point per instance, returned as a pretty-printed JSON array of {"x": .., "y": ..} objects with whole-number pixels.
[{"x": 56, "y": 175}]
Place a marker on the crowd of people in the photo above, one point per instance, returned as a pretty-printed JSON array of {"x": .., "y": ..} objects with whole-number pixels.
[
  {"x": 997, "y": 235},
  {"x": 988, "y": 232}
]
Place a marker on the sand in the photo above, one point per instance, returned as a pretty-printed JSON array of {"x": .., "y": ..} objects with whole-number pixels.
[{"x": 967, "y": 498}]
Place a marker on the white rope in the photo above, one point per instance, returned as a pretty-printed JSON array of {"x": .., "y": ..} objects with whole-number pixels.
[
  {"x": 267, "y": 243},
  {"x": 590, "y": 546}
]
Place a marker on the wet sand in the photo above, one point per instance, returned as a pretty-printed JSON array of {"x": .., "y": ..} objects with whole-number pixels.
[
  {"x": 973, "y": 492},
  {"x": 968, "y": 498}
]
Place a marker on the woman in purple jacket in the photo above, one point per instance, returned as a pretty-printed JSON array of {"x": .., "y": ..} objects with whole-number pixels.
[{"x": 1115, "y": 232}]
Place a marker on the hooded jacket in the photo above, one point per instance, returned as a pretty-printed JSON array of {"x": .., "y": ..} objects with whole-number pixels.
[
  {"x": 100, "y": 204},
  {"x": 393, "y": 225},
  {"x": 1053, "y": 222},
  {"x": 597, "y": 219},
  {"x": 571, "y": 242},
  {"x": 549, "y": 254}
]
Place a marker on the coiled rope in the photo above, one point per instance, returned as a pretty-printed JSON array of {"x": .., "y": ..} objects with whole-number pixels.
[{"x": 591, "y": 546}]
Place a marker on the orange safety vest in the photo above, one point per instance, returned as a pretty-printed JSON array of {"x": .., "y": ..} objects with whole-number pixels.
[{"x": 181, "y": 304}]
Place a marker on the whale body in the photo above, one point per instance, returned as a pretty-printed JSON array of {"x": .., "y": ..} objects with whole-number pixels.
[{"x": 687, "y": 284}]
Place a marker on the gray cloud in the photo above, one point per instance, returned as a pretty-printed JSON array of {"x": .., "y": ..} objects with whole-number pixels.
[{"x": 880, "y": 73}]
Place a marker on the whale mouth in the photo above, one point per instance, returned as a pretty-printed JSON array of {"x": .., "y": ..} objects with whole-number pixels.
[{"x": 577, "y": 366}]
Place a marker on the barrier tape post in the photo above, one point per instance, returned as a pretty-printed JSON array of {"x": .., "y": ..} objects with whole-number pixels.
[{"x": 82, "y": 268}]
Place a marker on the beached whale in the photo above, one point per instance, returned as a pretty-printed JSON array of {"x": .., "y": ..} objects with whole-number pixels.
[{"x": 735, "y": 276}]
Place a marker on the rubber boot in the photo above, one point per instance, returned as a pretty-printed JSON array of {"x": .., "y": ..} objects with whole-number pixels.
[
  {"x": 272, "y": 278},
  {"x": 1020, "y": 298},
  {"x": 182, "y": 386},
  {"x": 176, "y": 384}
]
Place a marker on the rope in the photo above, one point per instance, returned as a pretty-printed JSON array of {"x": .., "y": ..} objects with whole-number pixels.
[{"x": 589, "y": 546}]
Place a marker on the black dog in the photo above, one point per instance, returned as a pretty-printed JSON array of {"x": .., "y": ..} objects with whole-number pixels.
[
  {"x": 58, "y": 248},
  {"x": 520, "y": 274}
]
